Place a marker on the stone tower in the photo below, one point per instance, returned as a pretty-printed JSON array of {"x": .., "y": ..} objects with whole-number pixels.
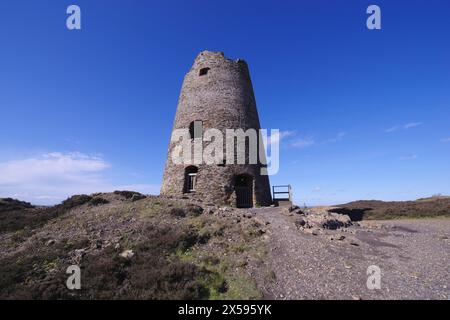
[{"x": 217, "y": 93}]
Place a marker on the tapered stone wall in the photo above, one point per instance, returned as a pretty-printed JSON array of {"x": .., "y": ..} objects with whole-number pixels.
[{"x": 217, "y": 91}]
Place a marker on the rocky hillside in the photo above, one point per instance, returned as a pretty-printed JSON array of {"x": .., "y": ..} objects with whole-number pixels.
[
  {"x": 128, "y": 246},
  {"x": 380, "y": 210}
]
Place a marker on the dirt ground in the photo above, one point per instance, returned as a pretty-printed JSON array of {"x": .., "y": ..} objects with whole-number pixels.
[
  {"x": 211, "y": 252},
  {"x": 413, "y": 256}
]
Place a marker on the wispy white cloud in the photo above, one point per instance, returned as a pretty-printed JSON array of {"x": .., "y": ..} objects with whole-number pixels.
[
  {"x": 71, "y": 167},
  {"x": 316, "y": 189},
  {"x": 281, "y": 136},
  {"x": 287, "y": 133},
  {"x": 51, "y": 177},
  {"x": 411, "y": 125},
  {"x": 303, "y": 142},
  {"x": 409, "y": 157},
  {"x": 339, "y": 137},
  {"x": 446, "y": 140},
  {"x": 403, "y": 127},
  {"x": 309, "y": 141},
  {"x": 392, "y": 129},
  {"x": 296, "y": 141}
]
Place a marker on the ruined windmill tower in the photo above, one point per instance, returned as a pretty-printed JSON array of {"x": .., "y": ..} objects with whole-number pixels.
[{"x": 217, "y": 93}]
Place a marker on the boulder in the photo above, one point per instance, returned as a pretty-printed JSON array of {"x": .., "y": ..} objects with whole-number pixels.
[
  {"x": 299, "y": 223},
  {"x": 127, "y": 254},
  {"x": 321, "y": 219},
  {"x": 326, "y": 220}
]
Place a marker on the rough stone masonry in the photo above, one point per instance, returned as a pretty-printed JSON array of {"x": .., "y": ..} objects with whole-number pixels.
[{"x": 217, "y": 93}]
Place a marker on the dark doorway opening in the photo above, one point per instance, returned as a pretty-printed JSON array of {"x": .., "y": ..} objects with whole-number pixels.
[{"x": 244, "y": 191}]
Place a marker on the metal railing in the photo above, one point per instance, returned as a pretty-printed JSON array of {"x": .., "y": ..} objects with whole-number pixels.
[{"x": 285, "y": 190}]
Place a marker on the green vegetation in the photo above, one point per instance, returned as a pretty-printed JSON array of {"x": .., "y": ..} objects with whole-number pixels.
[
  {"x": 435, "y": 207},
  {"x": 178, "y": 252}
]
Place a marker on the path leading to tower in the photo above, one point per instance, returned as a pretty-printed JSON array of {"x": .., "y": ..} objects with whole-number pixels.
[{"x": 412, "y": 255}]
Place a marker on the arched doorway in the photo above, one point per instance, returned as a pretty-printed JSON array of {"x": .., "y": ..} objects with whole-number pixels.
[{"x": 243, "y": 186}]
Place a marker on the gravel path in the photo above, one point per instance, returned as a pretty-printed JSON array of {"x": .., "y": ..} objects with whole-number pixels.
[{"x": 413, "y": 256}]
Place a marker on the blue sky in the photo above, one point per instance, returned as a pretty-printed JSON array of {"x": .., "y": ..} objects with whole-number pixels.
[{"x": 364, "y": 114}]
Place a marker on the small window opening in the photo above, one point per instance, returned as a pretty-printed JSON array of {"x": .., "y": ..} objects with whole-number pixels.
[
  {"x": 196, "y": 129},
  {"x": 203, "y": 71},
  {"x": 191, "y": 179}
]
